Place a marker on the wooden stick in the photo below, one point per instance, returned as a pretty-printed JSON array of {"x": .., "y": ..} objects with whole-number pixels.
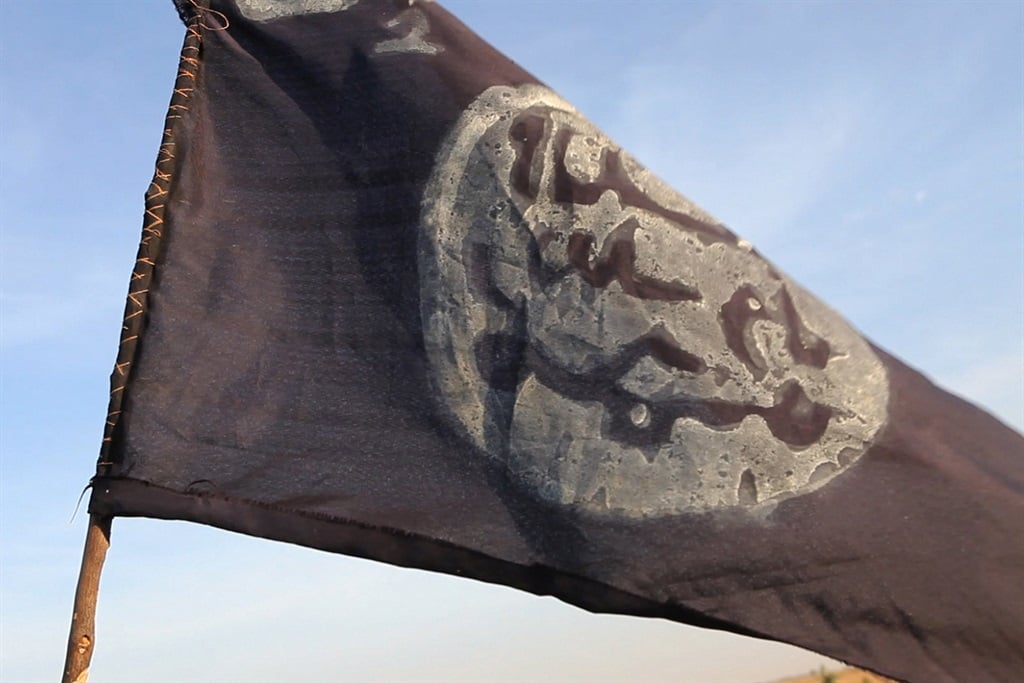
[{"x": 82, "y": 639}]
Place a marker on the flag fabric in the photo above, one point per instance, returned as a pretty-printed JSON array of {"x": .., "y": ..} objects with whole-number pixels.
[{"x": 397, "y": 299}]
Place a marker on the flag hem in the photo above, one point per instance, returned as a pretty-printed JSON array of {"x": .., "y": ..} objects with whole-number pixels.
[
  {"x": 134, "y": 322},
  {"x": 126, "y": 497}
]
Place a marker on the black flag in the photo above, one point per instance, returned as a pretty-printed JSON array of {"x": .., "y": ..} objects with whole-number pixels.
[{"x": 397, "y": 299}]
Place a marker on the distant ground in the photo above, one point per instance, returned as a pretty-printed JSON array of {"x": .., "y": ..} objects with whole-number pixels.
[{"x": 839, "y": 676}]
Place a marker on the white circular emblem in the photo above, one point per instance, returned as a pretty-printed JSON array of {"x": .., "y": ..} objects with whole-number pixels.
[
  {"x": 615, "y": 346},
  {"x": 266, "y": 10}
]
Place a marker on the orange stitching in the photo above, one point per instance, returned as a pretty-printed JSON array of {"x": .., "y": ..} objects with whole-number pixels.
[
  {"x": 132, "y": 296},
  {"x": 223, "y": 18},
  {"x": 153, "y": 221}
]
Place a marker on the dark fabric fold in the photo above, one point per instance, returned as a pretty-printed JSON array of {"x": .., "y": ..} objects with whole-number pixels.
[{"x": 408, "y": 305}]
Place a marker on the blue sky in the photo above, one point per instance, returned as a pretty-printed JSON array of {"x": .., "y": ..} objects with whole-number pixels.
[{"x": 873, "y": 150}]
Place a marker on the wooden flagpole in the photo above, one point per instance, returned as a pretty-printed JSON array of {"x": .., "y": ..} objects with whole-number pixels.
[{"x": 82, "y": 638}]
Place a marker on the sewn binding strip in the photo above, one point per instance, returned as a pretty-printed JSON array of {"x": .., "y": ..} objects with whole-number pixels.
[{"x": 152, "y": 233}]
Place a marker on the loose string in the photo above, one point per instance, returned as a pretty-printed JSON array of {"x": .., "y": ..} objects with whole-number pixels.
[
  {"x": 79, "y": 503},
  {"x": 223, "y": 20}
]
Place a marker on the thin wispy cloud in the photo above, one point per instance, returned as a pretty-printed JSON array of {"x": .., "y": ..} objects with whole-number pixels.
[{"x": 872, "y": 150}]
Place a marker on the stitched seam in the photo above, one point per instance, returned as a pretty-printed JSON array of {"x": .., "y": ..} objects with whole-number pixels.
[{"x": 149, "y": 247}]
